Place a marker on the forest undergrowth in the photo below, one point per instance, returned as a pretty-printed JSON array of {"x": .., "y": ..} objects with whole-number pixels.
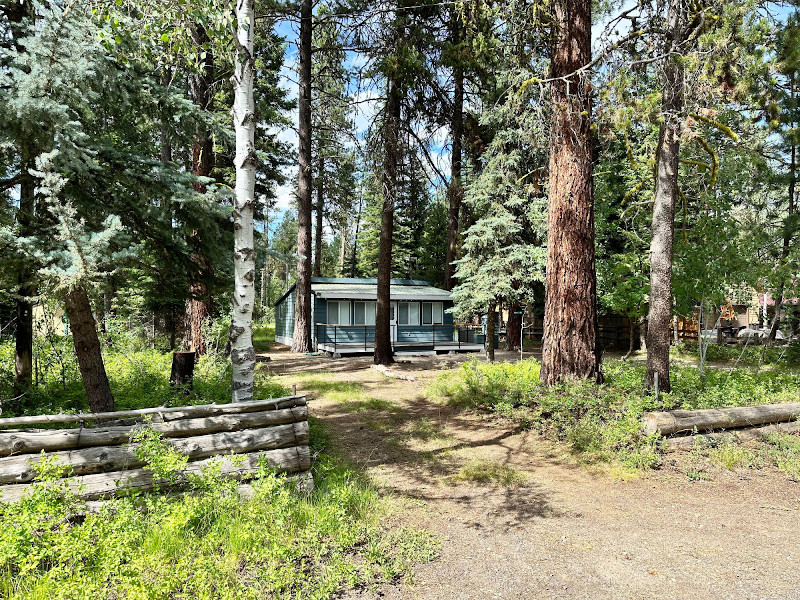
[{"x": 602, "y": 424}]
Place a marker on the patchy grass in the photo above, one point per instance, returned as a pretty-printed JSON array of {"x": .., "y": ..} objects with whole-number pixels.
[
  {"x": 263, "y": 336},
  {"x": 489, "y": 472}
]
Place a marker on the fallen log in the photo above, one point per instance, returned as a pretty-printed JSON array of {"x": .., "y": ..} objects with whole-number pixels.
[
  {"x": 105, "y": 485},
  {"x": 50, "y": 440},
  {"x": 165, "y": 413},
  {"x": 20, "y": 469},
  {"x": 687, "y": 442},
  {"x": 393, "y": 374},
  {"x": 676, "y": 421}
]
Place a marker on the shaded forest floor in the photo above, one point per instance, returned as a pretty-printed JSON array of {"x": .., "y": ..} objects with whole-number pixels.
[{"x": 518, "y": 516}]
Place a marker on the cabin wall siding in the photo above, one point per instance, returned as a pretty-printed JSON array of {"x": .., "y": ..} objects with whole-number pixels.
[{"x": 284, "y": 319}]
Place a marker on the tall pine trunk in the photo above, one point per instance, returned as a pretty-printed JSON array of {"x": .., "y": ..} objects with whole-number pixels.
[
  {"x": 301, "y": 340},
  {"x": 666, "y": 194},
  {"x": 18, "y": 13},
  {"x": 198, "y": 305},
  {"x": 491, "y": 320},
  {"x": 342, "y": 248},
  {"x": 87, "y": 350},
  {"x": 319, "y": 214},
  {"x": 243, "y": 356},
  {"x": 570, "y": 345},
  {"x": 788, "y": 228},
  {"x": 514, "y": 326},
  {"x": 383, "y": 340},
  {"x": 455, "y": 190}
]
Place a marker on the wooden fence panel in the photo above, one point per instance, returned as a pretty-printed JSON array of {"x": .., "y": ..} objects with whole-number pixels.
[{"x": 100, "y": 461}]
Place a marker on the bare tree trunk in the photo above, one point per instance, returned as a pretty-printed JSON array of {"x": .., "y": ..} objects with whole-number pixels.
[
  {"x": 355, "y": 238},
  {"x": 455, "y": 190},
  {"x": 788, "y": 233},
  {"x": 570, "y": 344},
  {"x": 198, "y": 304},
  {"x": 513, "y": 326},
  {"x": 383, "y": 341},
  {"x": 342, "y": 248},
  {"x": 491, "y": 319},
  {"x": 87, "y": 350},
  {"x": 666, "y": 193},
  {"x": 23, "y": 342},
  {"x": 301, "y": 340},
  {"x": 243, "y": 357},
  {"x": 319, "y": 214}
]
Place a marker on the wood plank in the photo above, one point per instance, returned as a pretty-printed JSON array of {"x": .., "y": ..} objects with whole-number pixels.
[
  {"x": 167, "y": 413},
  {"x": 106, "y": 485},
  {"x": 676, "y": 421},
  {"x": 19, "y": 469},
  {"x": 50, "y": 440}
]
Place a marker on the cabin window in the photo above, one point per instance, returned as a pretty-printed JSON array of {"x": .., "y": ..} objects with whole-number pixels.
[
  {"x": 409, "y": 313},
  {"x": 432, "y": 313},
  {"x": 338, "y": 312},
  {"x": 364, "y": 313}
]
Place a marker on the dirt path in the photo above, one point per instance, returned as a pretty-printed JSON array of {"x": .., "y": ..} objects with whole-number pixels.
[{"x": 558, "y": 530}]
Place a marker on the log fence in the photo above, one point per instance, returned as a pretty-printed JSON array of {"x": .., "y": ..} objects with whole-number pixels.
[{"x": 99, "y": 460}]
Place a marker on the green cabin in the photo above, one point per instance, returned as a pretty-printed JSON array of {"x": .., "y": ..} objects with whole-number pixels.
[{"x": 343, "y": 317}]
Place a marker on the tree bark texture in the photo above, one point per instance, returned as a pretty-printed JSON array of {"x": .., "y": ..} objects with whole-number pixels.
[
  {"x": 342, "y": 248},
  {"x": 87, "y": 350},
  {"x": 455, "y": 190},
  {"x": 318, "y": 214},
  {"x": 665, "y": 196},
  {"x": 383, "y": 340},
  {"x": 570, "y": 347},
  {"x": 491, "y": 319},
  {"x": 198, "y": 305},
  {"x": 301, "y": 340},
  {"x": 243, "y": 356},
  {"x": 514, "y": 326}
]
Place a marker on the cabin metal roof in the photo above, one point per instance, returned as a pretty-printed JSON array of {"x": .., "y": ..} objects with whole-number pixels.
[{"x": 367, "y": 289}]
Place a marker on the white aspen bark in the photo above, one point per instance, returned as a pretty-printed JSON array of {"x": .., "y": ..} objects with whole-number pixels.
[{"x": 243, "y": 356}]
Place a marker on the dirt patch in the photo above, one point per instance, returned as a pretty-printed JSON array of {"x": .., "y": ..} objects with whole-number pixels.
[{"x": 546, "y": 527}]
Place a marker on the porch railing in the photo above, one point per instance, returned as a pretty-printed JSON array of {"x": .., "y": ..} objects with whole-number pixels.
[{"x": 362, "y": 337}]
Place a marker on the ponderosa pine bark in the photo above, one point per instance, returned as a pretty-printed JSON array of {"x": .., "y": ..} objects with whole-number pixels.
[
  {"x": 383, "y": 340},
  {"x": 570, "y": 348},
  {"x": 198, "y": 304},
  {"x": 318, "y": 215},
  {"x": 664, "y": 198},
  {"x": 301, "y": 339},
  {"x": 455, "y": 190},
  {"x": 243, "y": 357},
  {"x": 87, "y": 350},
  {"x": 514, "y": 326},
  {"x": 491, "y": 319}
]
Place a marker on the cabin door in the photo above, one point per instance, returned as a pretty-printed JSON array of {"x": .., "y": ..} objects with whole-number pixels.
[{"x": 393, "y": 321}]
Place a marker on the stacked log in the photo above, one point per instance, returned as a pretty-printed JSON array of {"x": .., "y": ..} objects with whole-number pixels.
[{"x": 101, "y": 462}]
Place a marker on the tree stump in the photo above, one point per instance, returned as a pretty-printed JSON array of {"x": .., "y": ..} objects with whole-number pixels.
[{"x": 182, "y": 374}]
